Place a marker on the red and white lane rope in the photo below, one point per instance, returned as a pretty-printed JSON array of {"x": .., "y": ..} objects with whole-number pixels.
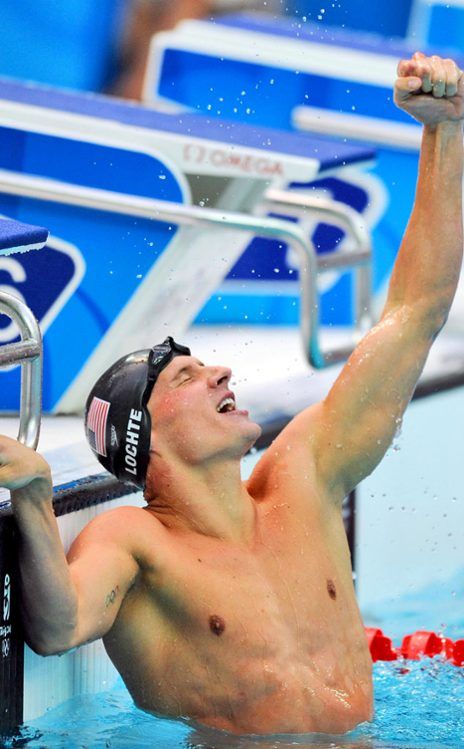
[{"x": 414, "y": 646}]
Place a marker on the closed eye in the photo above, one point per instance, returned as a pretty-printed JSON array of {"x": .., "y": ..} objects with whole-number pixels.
[{"x": 185, "y": 374}]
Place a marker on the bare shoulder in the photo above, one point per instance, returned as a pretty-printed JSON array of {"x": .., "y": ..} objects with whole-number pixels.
[
  {"x": 119, "y": 521},
  {"x": 131, "y": 529}
]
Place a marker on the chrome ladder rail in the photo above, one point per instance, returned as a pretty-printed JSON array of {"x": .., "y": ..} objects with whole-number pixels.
[
  {"x": 28, "y": 353},
  {"x": 41, "y": 188},
  {"x": 358, "y": 259}
]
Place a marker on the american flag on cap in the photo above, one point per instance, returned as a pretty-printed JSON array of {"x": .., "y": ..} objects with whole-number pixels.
[{"x": 96, "y": 425}]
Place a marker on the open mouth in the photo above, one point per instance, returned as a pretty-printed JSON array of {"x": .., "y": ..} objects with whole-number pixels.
[{"x": 227, "y": 405}]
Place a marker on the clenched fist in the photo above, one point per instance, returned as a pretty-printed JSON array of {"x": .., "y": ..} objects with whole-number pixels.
[{"x": 430, "y": 89}]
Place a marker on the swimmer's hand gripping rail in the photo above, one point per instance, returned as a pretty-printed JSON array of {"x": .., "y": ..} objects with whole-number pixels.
[
  {"x": 104, "y": 200},
  {"x": 28, "y": 353}
]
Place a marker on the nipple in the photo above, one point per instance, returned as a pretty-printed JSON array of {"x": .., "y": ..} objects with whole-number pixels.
[
  {"x": 217, "y": 625},
  {"x": 331, "y": 589}
]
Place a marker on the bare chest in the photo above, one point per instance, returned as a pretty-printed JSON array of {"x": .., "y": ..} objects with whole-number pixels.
[
  {"x": 278, "y": 590},
  {"x": 280, "y": 585},
  {"x": 277, "y": 622}
]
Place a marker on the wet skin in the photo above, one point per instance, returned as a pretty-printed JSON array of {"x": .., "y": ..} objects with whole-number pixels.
[
  {"x": 289, "y": 658},
  {"x": 255, "y": 635}
]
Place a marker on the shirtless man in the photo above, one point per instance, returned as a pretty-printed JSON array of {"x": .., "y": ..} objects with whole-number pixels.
[{"x": 232, "y": 603}]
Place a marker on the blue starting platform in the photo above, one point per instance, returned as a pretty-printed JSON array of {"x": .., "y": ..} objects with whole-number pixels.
[{"x": 16, "y": 236}]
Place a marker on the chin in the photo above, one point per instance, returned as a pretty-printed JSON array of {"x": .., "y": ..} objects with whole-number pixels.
[
  {"x": 254, "y": 431},
  {"x": 243, "y": 439}
]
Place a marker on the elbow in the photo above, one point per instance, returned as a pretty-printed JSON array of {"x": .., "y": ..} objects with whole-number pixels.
[
  {"x": 438, "y": 329},
  {"x": 437, "y": 322},
  {"x": 48, "y": 646},
  {"x": 430, "y": 318},
  {"x": 439, "y": 308},
  {"x": 41, "y": 648},
  {"x": 46, "y": 640}
]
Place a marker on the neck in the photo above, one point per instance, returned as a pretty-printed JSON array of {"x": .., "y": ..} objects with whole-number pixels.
[{"x": 210, "y": 500}]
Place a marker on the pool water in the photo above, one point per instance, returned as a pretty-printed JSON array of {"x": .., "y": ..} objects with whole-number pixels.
[{"x": 418, "y": 704}]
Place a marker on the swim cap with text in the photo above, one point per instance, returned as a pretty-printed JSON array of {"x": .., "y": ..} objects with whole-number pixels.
[{"x": 117, "y": 421}]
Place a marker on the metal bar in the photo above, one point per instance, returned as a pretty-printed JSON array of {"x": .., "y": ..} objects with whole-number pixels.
[
  {"x": 11, "y": 353},
  {"x": 339, "y": 213},
  {"x": 357, "y": 127},
  {"x": 28, "y": 353},
  {"x": 358, "y": 259},
  {"x": 61, "y": 192}
]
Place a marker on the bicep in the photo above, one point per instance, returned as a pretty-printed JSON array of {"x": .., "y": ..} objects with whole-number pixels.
[{"x": 102, "y": 571}]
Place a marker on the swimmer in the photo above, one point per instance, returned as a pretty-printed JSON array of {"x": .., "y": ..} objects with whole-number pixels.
[{"x": 231, "y": 603}]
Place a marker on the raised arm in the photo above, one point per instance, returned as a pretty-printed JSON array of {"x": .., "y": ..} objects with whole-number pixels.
[
  {"x": 64, "y": 604},
  {"x": 352, "y": 428}
]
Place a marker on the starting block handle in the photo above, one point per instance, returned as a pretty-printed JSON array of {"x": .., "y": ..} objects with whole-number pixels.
[
  {"x": 357, "y": 258},
  {"x": 28, "y": 353}
]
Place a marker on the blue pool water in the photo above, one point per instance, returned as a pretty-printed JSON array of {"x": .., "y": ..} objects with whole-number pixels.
[
  {"x": 419, "y": 705},
  {"x": 420, "y": 709}
]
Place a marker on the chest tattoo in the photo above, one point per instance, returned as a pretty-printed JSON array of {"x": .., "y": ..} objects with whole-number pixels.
[{"x": 217, "y": 625}]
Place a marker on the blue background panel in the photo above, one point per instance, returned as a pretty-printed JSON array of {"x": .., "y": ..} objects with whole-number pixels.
[
  {"x": 390, "y": 19},
  {"x": 71, "y": 43},
  {"x": 446, "y": 26}
]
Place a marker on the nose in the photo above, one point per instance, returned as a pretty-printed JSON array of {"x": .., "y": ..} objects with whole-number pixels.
[{"x": 218, "y": 376}]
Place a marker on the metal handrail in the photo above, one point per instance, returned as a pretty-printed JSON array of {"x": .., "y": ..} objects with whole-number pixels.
[
  {"x": 28, "y": 353},
  {"x": 357, "y": 127},
  {"x": 42, "y": 188},
  {"x": 358, "y": 259}
]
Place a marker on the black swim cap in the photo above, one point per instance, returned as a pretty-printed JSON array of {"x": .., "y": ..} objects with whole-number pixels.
[{"x": 117, "y": 422}]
